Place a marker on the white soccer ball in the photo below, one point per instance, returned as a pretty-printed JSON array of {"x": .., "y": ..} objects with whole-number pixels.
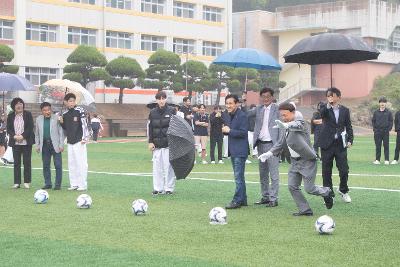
[
  {"x": 84, "y": 201},
  {"x": 217, "y": 216},
  {"x": 41, "y": 196},
  {"x": 325, "y": 225},
  {"x": 139, "y": 207}
]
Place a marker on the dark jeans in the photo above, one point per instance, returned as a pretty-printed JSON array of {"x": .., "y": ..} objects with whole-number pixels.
[
  {"x": 26, "y": 152},
  {"x": 95, "y": 134},
  {"x": 337, "y": 152},
  {"x": 397, "y": 150},
  {"x": 316, "y": 141},
  {"x": 216, "y": 141},
  {"x": 47, "y": 152},
  {"x": 379, "y": 137},
  {"x": 238, "y": 165}
]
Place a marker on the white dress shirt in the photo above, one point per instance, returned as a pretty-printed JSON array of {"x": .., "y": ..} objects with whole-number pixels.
[{"x": 264, "y": 132}]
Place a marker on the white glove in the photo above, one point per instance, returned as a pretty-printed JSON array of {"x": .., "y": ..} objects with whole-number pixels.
[
  {"x": 263, "y": 157},
  {"x": 281, "y": 125}
]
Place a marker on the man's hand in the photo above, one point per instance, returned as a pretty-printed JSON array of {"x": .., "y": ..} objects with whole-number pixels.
[
  {"x": 151, "y": 147},
  {"x": 281, "y": 125},
  {"x": 226, "y": 129},
  {"x": 349, "y": 145},
  {"x": 84, "y": 142},
  {"x": 18, "y": 138},
  {"x": 60, "y": 119},
  {"x": 37, "y": 149},
  {"x": 61, "y": 149},
  {"x": 265, "y": 156}
]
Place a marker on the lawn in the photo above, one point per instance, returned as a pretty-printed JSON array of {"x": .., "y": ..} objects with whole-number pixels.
[{"x": 176, "y": 231}]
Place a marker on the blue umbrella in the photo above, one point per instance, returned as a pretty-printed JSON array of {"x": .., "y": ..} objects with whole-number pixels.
[
  {"x": 248, "y": 58},
  {"x": 14, "y": 82}
]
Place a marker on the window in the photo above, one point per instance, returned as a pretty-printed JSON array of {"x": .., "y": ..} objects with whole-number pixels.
[
  {"x": 212, "y": 14},
  {"x": 183, "y": 46},
  {"x": 81, "y": 36},
  {"x": 90, "y": 2},
  {"x": 212, "y": 49},
  {"x": 380, "y": 44},
  {"x": 183, "y": 10},
  {"x": 6, "y": 29},
  {"x": 38, "y": 76},
  {"x": 41, "y": 32},
  {"x": 152, "y": 43},
  {"x": 119, "y": 40},
  {"x": 395, "y": 40},
  {"x": 153, "y": 6},
  {"x": 121, "y": 4}
]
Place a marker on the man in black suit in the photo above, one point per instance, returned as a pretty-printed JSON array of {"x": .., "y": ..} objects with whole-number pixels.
[{"x": 337, "y": 135}]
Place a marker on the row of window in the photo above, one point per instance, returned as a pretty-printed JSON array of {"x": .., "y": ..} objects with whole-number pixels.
[
  {"x": 180, "y": 9},
  {"x": 48, "y": 33}
]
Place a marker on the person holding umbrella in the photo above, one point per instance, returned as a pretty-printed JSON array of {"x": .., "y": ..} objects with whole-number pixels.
[
  {"x": 159, "y": 119},
  {"x": 236, "y": 128},
  {"x": 22, "y": 137}
]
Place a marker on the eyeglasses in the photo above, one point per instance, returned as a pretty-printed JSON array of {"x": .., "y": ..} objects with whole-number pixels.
[{"x": 266, "y": 96}]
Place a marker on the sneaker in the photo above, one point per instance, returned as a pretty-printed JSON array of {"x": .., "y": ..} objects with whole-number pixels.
[
  {"x": 394, "y": 162},
  {"x": 47, "y": 187},
  {"x": 81, "y": 189},
  {"x": 248, "y": 161},
  {"x": 345, "y": 197},
  {"x": 155, "y": 192},
  {"x": 72, "y": 188},
  {"x": 15, "y": 186},
  {"x": 220, "y": 162},
  {"x": 376, "y": 162},
  {"x": 329, "y": 200},
  {"x": 168, "y": 192},
  {"x": 204, "y": 162},
  {"x": 195, "y": 162},
  {"x": 212, "y": 162},
  {"x": 57, "y": 187},
  {"x": 387, "y": 162},
  {"x": 27, "y": 185}
]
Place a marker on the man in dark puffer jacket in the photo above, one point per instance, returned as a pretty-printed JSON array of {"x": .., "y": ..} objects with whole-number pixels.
[{"x": 163, "y": 174}]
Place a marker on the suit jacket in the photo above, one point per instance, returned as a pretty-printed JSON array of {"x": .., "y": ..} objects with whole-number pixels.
[
  {"x": 273, "y": 115},
  {"x": 56, "y": 133},
  {"x": 28, "y": 133},
  {"x": 238, "y": 145},
  {"x": 330, "y": 127},
  {"x": 297, "y": 138}
]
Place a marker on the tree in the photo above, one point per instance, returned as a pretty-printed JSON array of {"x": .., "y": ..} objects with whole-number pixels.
[
  {"x": 7, "y": 55},
  {"x": 253, "y": 86},
  {"x": 87, "y": 65},
  {"x": 164, "y": 71},
  {"x": 244, "y": 74},
  {"x": 388, "y": 86},
  {"x": 270, "y": 79},
  {"x": 123, "y": 71},
  {"x": 222, "y": 74},
  {"x": 196, "y": 71},
  {"x": 234, "y": 86}
]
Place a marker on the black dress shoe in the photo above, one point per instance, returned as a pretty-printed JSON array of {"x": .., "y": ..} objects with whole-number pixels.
[
  {"x": 303, "y": 213},
  {"x": 57, "y": 187},
  {"x": 168, "y": 192},
  {"x": 272, "y": 204},
  {"x": 47, "y": 187},
  {"x": 329, "y": 200},
  {"x": 262, "y": 201},
  {"x": 233, "y": 205}
]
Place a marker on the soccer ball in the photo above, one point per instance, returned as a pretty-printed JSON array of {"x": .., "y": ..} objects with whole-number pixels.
[
  {"x": 217, "y": 216},
  {"x": 84, "y": 201},
  {"x": 41, "y": 196},
  {"x": 139, "y": 207},
  {"x": 325, "y": 225}
]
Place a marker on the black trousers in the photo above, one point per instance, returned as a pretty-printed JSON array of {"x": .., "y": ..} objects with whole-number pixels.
[
  {"x": 379, "y": 137},
  {"x": 397, "y": 150},
  {"x": 336, "y": 152},
  {"x": 316, "y": 141},
  {"x": 95, "y": 134},
  {"x": 216, "y": 141},
  {"x": 26, "y": 153}
]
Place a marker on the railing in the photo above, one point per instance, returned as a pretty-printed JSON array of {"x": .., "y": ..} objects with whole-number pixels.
[{"x": 303, "y": 85}]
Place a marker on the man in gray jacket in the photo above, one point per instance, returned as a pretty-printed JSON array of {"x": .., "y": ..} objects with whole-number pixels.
[
  {"x": 265, "y": 136},
  {"x": 49, "y": 139},
  {"x": 303, "y": 160}
]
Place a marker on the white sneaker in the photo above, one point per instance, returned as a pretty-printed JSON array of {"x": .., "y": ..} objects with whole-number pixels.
[
  {"x": 72, "y": 188},
  {"x": 220, "y": 162},
  {"x": 345, "y": 197},
  {"x": 387, "y": 162},
  {"x": 212, "y": 162},
  {"x": 81, "y": 189},
  {"x": 394, "y": 162},
  {"x": 15, "y": 186},
  {"x": 248, "y": 161},
  {"x": 27, "y": 185},
  {"x": 376, "y": 162},
  {"x": 204, "y": 162}
]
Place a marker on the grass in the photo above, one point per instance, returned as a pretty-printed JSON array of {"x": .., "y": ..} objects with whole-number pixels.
[{"x": 176, "y": 231}]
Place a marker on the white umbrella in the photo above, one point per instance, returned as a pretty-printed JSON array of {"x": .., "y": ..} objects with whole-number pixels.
[{"x": 58, "y": 88}]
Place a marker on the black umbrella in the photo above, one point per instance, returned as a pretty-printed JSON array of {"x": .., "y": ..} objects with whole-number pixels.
[
  {"x": 182, "y": 151},
  {"x": 330, "y": 48}
]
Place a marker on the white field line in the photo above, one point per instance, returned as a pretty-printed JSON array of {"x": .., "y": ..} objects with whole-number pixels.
[{"x": 231, "y": 180}]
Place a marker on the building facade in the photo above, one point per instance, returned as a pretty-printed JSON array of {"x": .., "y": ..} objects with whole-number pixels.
[
  {"x": 44, "y": 32},
  {"x": 377, "y": 22}
]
